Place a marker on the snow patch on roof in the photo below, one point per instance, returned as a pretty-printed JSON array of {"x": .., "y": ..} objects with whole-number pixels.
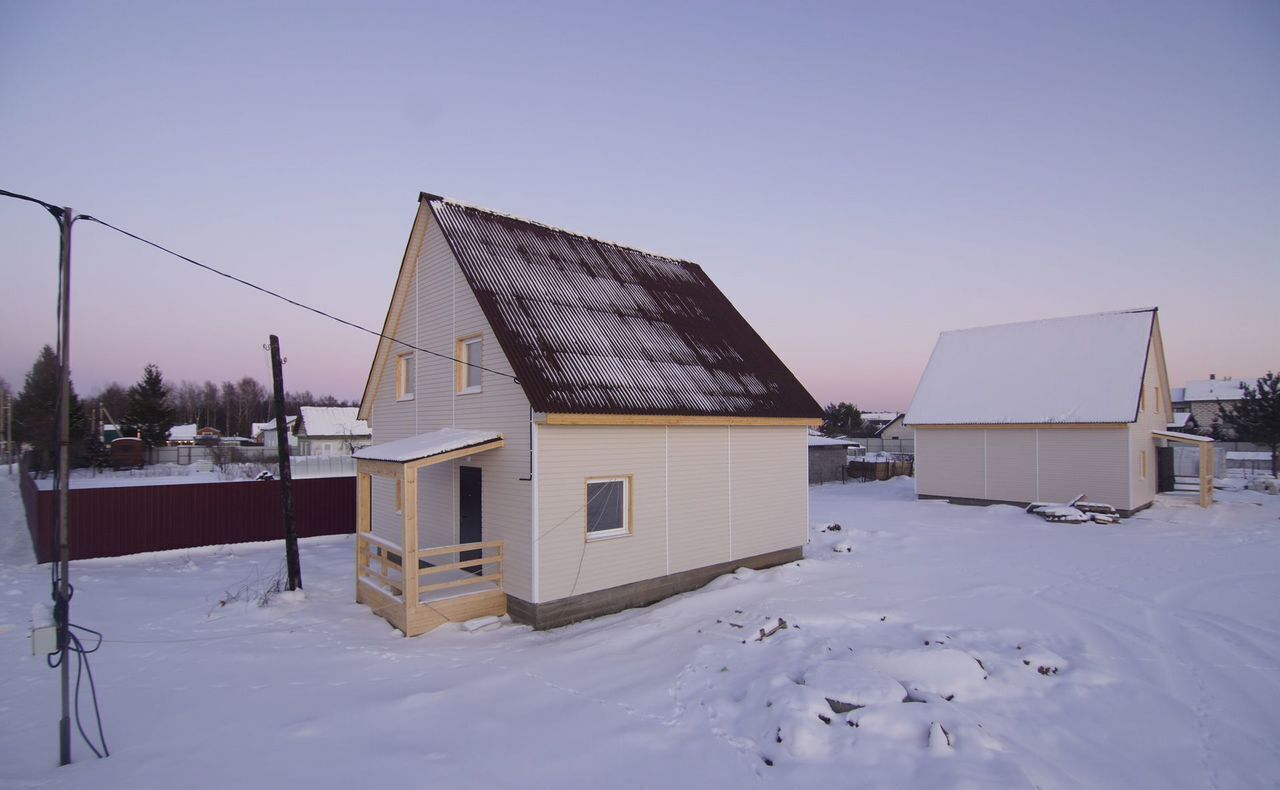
[
  {"x": 425, "y": 445},
  {"x": 1214, "y": 389},
  {"x": 183, "y": 433},
  {"x": 259, "y": 427},
  {"x": 332, "y": 421},
  {"x": 1082, "y": 369},
  {"x": 818, "y": 440}
]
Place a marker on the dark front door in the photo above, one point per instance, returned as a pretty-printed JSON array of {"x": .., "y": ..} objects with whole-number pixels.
[
  {"x": 1164, "y": 469},
  {"x": 469, "y": 530}
]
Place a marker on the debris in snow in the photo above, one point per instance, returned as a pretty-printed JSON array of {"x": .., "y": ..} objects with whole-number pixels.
[
  {"x": 842, "y": 548},
  {"x": 939, "y": 739},
  {"x": 832, "y": 528},
  {"x": 1075, "y": 512},
  {"x": 480, "y": 623},
  {"x": 772, "y": 627},
  {"x": 265, "y": 475}
]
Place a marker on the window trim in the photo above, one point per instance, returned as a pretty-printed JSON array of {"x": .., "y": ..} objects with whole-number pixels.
[
  {"x": 464, "y": 362},
  {"x": 628, "y": 509},
  {"x": 403, "y": 361}
]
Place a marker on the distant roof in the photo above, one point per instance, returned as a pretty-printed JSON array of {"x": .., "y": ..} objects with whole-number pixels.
[
  {"x": 1214, "y": 389},
  {"x": 332, "y": 421},
  {"x": 594, "y": 327},
  {"x": 181, "y": 433},
  {"x": 425, "y": 445},
  {"x": 259, "y": 427},
  {"x": 1179, "y": 419},
  {"x": 1083, "y": 369},
  {"x": 818, "y": 440},
  {"x": 879, "y": 416}
]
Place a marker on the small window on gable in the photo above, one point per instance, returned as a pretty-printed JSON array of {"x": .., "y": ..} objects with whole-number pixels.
[
  {"x": 1142, "y": 464},
  {"x": 404, "y": 377},
  {"x": 608, "y": 508},
  {"x": 1142, "y": 399},
  {"x": 1157, "y": 395},
  {"x": 470, "y": 353},
  {"x": 399, "y": 495}
]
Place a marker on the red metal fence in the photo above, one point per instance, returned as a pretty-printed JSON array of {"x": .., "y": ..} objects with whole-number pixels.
[{"x": 109, "y": 522}]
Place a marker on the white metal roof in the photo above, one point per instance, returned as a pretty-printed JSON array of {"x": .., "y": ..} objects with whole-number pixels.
[
  {"x": 1082, "y": 369},
  {"x": 818, "y": 440},
  {"x": 425, "y": 445},
  {"x": 183, "y": 433}
]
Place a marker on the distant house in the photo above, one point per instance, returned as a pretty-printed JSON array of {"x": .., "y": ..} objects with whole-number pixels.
[
  {"x": 828, "y": 457},
  {"x": 590, "y": 428},
  {"x": 264, "y": 433},
  {"x": 873, "y": 421},
  {"x": 1201, "y": 399},
  {"x": 330, "y": 430},
  {"x": 181, "y": 435},
  {"x": 1048, "y": 411},
  {"x": 1183, "y": 421},
  {"x": 896, "y": 430}
]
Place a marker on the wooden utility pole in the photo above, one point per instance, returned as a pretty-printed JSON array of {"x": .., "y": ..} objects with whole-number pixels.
[
  {"x": 62, "y": 596},
  {"x": 286, "y": 477},
  {"x": 8, "y": 430}
]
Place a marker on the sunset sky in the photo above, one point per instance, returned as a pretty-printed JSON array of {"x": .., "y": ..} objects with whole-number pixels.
[{"x": 856, "y": 177}]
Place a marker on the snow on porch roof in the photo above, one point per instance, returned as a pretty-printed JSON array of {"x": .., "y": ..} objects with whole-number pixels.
[
  {"x": 1083, "y": 369},
  {"x": 1184, "y": 437},
  {"x": 425, "y": 445}
]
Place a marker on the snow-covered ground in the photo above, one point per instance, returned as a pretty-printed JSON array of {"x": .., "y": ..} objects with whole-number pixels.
[{"x": 982, "y": 647}]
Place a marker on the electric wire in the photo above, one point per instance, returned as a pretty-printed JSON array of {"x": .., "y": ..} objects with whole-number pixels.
[{"x": 293, "y": 302}]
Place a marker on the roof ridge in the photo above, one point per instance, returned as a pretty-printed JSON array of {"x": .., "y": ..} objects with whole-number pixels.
[
  {"x": 554, "y": 228},
  {"x": 1051, "y": 320}
]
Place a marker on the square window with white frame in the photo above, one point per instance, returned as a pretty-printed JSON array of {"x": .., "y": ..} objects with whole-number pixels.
[
  {"x": 470, "y": 358},
  {"x": 404, "y": 377},
  {"x": 608, "y": 507}
]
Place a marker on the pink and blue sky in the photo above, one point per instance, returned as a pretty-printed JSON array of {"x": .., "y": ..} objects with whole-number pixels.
[{"x": 855, "y": 176}]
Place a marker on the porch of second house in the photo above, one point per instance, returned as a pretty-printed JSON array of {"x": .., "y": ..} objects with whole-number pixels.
[{"x": 418, "y": 588}]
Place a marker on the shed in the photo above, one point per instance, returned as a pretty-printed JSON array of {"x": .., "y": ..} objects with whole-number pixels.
[
  {"x": 650, "y": 438},
  {"x": 828, "y": 457},
  {"x": 1046, "y": 411}
]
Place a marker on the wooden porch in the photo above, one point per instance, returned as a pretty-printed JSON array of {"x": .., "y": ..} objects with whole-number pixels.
[{"x": 417, "y": 589}]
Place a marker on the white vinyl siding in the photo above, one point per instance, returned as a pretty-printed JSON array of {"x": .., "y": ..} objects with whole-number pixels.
[
  {"x": 439, "y": 309},
  {"x": 698, "y": 496}
]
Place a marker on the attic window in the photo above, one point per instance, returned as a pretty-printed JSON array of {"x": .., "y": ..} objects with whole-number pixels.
[
  {"x": 404, "y": 377},
  {"x": 470, "y": 353}
]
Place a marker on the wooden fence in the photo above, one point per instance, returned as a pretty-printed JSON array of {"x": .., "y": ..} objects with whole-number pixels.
[
  {"x": 110, "y": 522},
  {"x": 880, "y": 470}
]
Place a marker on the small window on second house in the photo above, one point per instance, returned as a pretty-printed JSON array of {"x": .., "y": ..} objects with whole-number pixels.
[
  {"x": 1157, "y": 395},
  {"x": 404, "y": 377},
  {"x": 399, "y": 495},
  {"x": 470, "y": 357},
  {"x": 1142, "y": 464},
  {"x": 607, "y": 508}
]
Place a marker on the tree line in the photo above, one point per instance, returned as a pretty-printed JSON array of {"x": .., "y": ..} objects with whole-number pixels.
[{"x": 149, "y": 408}]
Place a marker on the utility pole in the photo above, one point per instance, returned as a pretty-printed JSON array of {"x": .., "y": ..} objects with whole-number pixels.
[
  {"x": 62, "y": 597},
  {"x": 8, "y": 430},
  {"x": 286, "y": 477}
]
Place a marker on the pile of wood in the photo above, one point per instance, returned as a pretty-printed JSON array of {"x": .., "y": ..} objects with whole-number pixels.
[{"x": 1075, "y": 512}]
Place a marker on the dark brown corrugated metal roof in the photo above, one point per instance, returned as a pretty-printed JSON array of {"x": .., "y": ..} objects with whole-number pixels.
[{"x": 597, "y": 328}]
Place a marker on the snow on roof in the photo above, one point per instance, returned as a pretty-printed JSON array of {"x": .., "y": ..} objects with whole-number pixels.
[
  {"x": 1189, "y": 437},
  {"x": 1180, "y": 419},
  {"x": 1214, "y": 389},
  {"x": 425, "y": 445},
  {"x": 332, "y": 421},
  {"x": 259, "y": 427},
  {"x": 1082, "y": 369},
  {"x": 879, "y": 416},
  {"x": 182, "y": 433},
  {"x": 818, "y": 440}
]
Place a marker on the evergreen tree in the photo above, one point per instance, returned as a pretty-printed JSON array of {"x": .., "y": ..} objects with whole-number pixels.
[
  {"x": 35, "y": 411},
  {"x": 841, "y": 419},
  {"x": 1256, "y": 416},
  {"x": 149, "y": 415}
]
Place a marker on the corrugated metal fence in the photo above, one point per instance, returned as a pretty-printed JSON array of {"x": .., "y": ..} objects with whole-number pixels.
[{"x": 109, "y": 522}]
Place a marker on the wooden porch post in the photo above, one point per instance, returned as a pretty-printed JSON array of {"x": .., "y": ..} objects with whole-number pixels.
[
  {"x": 364, "y": 522},
  {"x": 1206, "y": 474},
  {"x": 409, "y": 563}
]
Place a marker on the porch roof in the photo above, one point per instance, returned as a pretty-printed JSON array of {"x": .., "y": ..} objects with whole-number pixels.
[
  {"x": 429, "y": 444},
  {"x": 1189, "y": 438}
]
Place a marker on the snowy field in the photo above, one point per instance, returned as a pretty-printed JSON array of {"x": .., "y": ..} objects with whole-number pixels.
[{"x": 927, "y": 645}]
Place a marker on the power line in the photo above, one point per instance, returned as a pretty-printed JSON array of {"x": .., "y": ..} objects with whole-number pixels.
[{"x": 261, "y": 289}]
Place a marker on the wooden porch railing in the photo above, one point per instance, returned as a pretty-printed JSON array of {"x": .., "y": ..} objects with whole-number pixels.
[{"x": 381, "y": 565}]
